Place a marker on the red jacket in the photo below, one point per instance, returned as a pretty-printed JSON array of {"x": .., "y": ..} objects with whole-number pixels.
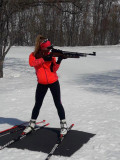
[{"x": 43, "y": 72}]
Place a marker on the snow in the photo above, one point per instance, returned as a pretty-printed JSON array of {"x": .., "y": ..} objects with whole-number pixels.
[{"x": 90, "y": 89}]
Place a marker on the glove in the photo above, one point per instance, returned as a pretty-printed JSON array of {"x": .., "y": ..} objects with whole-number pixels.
[
  {"x": 47, "y": 58},
  {"x": 37, "y": 56},
  {"x": 60, "y": 58}
]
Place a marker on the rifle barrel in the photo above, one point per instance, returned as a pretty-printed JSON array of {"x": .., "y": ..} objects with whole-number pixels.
[{"x": 77, "y": 54}]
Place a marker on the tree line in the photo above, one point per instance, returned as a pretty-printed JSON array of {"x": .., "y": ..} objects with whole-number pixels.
[{"x": 86, "y": 22}]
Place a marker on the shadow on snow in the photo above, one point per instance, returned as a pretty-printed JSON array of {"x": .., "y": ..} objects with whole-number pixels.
[
  {"x": 10, "y": 121},
  {"x": 102, "y": 83}
]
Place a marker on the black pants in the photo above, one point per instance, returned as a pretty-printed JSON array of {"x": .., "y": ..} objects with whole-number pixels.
[{"x": 41, "y": 91}]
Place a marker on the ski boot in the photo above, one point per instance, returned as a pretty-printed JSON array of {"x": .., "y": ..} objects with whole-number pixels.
[
  {"x": 64, "y": 128},
  {"x": 30, "y": 126}
]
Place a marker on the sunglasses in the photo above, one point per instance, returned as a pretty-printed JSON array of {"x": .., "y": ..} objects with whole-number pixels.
[{"x": 44, "y": 41}]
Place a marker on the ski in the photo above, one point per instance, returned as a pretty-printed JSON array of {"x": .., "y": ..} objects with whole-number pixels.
[
  {"x": 59, "y": 141},
  {"x": 18, "y": 128},
  {"x": 13, "y": 127},
  {"x": 22, "y": 136}
]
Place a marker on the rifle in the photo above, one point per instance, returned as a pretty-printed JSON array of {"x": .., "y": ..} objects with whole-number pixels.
[{"x": 67, "y": 54}]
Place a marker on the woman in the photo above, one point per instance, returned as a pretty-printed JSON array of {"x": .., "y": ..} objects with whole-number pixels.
[{"x": 46, "y": 66}]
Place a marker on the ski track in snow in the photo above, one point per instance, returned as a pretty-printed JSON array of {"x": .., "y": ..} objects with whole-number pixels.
[{"x": 90, "y": 89}]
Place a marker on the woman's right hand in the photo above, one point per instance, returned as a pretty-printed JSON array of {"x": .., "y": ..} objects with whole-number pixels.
[
  {"x": 37, "y": 56},
  {"x": 47, "y": 58}
]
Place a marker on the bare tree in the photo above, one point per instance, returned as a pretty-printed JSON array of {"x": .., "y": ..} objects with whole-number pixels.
[{"x": 8, "y": 29}]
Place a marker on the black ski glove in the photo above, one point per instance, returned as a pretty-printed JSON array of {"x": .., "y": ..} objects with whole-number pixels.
[
  {"x": 47, "y": 58},
  {"x": 60, "y": 58}
]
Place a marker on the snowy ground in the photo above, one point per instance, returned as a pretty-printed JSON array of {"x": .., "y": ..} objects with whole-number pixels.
[{"x": 90, "y": 89}]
